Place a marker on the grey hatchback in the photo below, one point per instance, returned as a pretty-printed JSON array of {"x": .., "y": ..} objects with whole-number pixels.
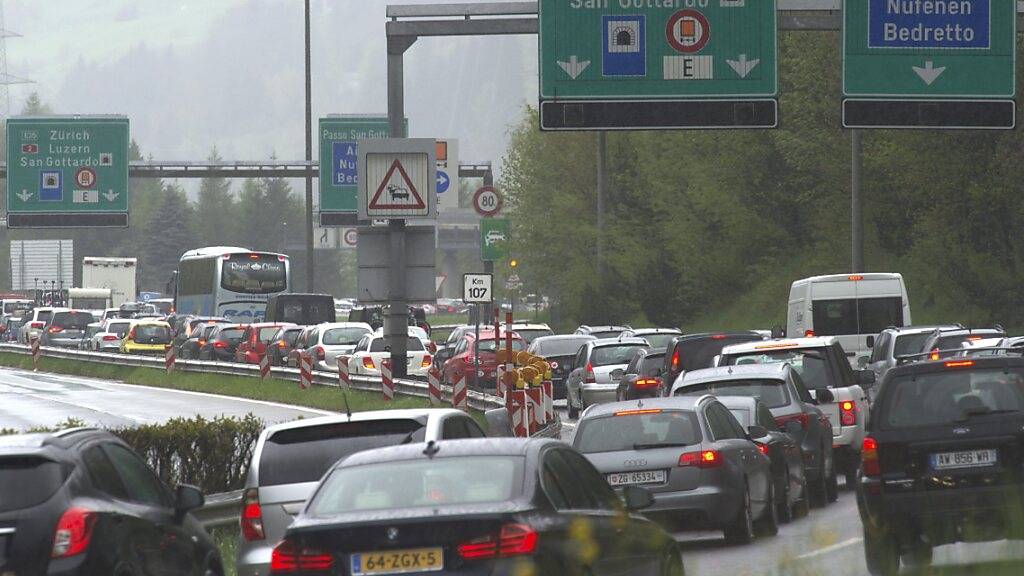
[
  {"x": 596, "y": 370},
  {"x": 66, "y": 329},
  {"x": 693, "y": 455}
]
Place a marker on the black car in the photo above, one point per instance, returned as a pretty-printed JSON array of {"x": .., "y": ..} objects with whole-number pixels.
[
  {"x": 487, "y": 506},
  {"x": 942, "y": 343},
  {"x": 791, "y": 494},
  {"x": 559, "y": 351},
  {"x": 696, "y": 351},
  {"x": 943, "y": 460},
  {"x": 190, "y": 348},
  {"x": 281, "y": 344},
  {"x": 82, "y": 502},
  {"x": 222, "y": 343},
  {"x": 183, "y": 327},
  {"x": 642, "y": 377}
]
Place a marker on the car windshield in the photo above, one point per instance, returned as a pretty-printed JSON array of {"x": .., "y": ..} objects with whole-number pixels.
[
  {"x": 774, "y": 393},
  {"x": 612, "y": 355},
  {"x": 422, "y": 483},
  {"x": 344, "y": 336},
  {"x": 623, "y": 431},
  {"x": 809, "y": 363},
  {"x": 304, "y": 454},
  {"x": 558, "y": 347},
  {"x": 957, "y": 394}
]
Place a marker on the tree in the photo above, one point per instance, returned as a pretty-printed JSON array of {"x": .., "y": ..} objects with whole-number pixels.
[
  {"x": 216, "y": 210},
  {"x": 170, "y": 235}
]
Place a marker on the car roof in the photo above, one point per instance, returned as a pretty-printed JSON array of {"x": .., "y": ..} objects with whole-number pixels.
[
  {"x": 640, "y": 331},
  {"x": 557, "y": 337},
  {"x": 928, "y": 365},
  {"x": 365, "y": 416},
  {"x": 148, "y": 322},
  {"x": 528, "y": 326},
  {"x": 771, "y": 371},
  {"x": 605, "y": 342},
  {"x": 605, "y": 328},
  {"x": 901, "y": 330},
  {"x": 791, "y": 343},
  {"x": 666, "y": 403},
  {"x": 332, "y": 325},
  {"x": 748, "y": 402},
  {"x": 451, "y": 449}
]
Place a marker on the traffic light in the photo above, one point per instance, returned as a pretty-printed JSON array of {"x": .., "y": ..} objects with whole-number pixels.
[{"x": 513, "y": 263}]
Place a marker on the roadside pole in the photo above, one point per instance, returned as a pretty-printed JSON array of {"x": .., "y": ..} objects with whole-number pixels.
[
  {"x": 856, "y": 210},
  {"x": 602, "y": 184},
  {"x": 396, "y": 322},
  {"x": 309, "y": 159}
]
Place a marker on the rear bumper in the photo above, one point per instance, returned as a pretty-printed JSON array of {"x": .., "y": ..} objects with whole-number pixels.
[
  {"x": 63, "y": 342},
  {"x": 145, "y": 348},
  {"x": 702, "y": 507},
  {"x": 598, "y": 393}
]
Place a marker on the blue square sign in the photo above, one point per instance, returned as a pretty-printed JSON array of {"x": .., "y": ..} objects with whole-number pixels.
[
  {"x": 343, "y": 167},
  {"x": 51, "y": 187},
  {"x": 944, "y": 24},
  {"x": 624, "y": 42}
]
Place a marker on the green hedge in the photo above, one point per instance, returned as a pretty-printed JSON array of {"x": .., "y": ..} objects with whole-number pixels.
[{"x": 211, "y": 454}]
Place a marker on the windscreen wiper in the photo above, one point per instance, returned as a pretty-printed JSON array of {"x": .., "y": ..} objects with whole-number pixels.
[
  {"x": 970, "y": 412},
  {"x": 659, "y": 445}
]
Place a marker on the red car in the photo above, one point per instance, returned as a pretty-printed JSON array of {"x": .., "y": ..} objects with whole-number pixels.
[
  {"x": 254, "y": 342},
  {"x": 463, "y": 364}
]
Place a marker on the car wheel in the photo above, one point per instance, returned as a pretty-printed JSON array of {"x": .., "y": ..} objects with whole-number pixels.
[
  {"x": 785, "y": 511},
  {"x": 768, "y": 523},
  {"x": 673, "y": 563},
  {"x": 851, "y": 478},
  {"x": 574, "y": 412},
  {"x": 832, "y": 482},
  {"x": 741, "y": 529},
  {"x": 919, "y": 555},
  {"x": 881, "y": 553},
  {"x": 802, "y": 507}
]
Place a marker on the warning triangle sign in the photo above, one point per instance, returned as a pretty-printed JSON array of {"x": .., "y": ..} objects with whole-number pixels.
[{"x": 396, "y": 190}]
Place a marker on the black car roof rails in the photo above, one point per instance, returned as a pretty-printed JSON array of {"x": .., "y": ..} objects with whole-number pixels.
[{"x": 963, "y": 353}]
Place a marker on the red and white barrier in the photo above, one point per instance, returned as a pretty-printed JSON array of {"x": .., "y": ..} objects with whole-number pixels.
[
  {"x": 434, "y": 386},
  {"x": 459, "y": 398},
  {"x": 518, "y": 413},
  {"x": 535, "y": 408},
  {"x": 549, "y": 400},
  {"x": 305, "y": 371},
  {"x": 169, "y": 359},
  {"x": 36, "y": 352},
  {"x": 264, "y": 366},
  {"x": 499, "y": 379},
  {"x": 343, "y": 374},
  {"x": 387, "y": 382}
]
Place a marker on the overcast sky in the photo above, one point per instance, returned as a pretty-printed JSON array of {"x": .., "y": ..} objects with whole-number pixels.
[{"x": 191, "y": 74}]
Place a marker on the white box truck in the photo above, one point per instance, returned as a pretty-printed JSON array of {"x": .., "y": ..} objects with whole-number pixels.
[{"x": 117, "y": 274}]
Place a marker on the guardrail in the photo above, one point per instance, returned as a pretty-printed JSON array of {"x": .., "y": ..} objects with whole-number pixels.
[{"x": 222, "y": 509}]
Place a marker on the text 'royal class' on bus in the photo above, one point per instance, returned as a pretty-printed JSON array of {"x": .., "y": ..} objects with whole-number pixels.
[{"x": 231, "y": 282}]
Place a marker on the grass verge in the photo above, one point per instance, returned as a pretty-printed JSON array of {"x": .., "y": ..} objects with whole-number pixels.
[{"x": 271, "y": 390}]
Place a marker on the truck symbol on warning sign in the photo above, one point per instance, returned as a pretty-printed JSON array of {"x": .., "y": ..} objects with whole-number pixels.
[
  {"x": 688, "y": 31},
  {"x": 398, "y": 192},
  {"x": 399, "y": 189}
]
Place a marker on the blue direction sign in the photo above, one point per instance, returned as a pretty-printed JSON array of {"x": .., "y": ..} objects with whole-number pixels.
[
  {"x": 443, "y": 181},
  {"x": 928, "y": 24}
]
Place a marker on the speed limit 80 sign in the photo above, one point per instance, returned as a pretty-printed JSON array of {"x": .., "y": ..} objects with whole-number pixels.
[
  {"x": 476, "y": 288},
  {"x": 487, "y": 201}
]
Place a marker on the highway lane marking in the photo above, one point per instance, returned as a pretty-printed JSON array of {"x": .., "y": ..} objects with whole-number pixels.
[{"x": 830, "y": 549}]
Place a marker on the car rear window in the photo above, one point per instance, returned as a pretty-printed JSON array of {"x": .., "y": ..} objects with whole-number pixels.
[
  {"x": 344, "y": 336},
  {"x": 951, "y": 396},
  {"x": 774, "y": 393},
  {"x": 856, "y": 315},
  {"x": 119, "y": 328},
  {"x": 44, "y": 315},
  {"x": 488, "y": 345},
  {"x": 28, "y": 481},
  {"x": 742, "y": 415},
  {"x": 626, "y": 431},
  {"x": 420, "y": 483},
  {"x": 72, "y": 320},
  {"x": 909, "y": 344},
  {"x": 267, "y": 334},
  {"x": 152, "y": 334},
  {"x": 291, "y": 335},
  {"x": 381, "y": 345},
  {"x": 607, "y": 334},
  {"x": 698, "y": 353},
  {"x": 529, "y": 335},
  {"x": 231, "y": 334},
  {"x": 811, "y": 364},
  {"x": 651, "y": 364},
  {"x": 560, "y": 347},
  {"x": 659, "y": 340},
  {"x": 305, "y": 454},
  {"x": 611, "y": 355}
]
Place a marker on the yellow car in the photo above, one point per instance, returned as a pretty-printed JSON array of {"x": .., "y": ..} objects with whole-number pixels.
[{"x": 147, "y": 337}]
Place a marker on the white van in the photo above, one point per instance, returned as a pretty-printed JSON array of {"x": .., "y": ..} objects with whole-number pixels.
[{"x": 852, "y": 307}]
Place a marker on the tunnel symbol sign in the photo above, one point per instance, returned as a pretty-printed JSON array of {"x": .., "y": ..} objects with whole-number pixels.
[{"x": 624, "y": 45}]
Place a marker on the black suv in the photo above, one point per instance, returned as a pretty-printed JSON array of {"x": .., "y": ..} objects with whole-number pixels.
[
  {"x": 82, "y": 502},
  {"x": 943, "y": 460},
  {"x": 697, "y": 351}
]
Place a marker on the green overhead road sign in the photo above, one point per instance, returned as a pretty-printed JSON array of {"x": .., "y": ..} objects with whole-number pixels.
[
  {"x": 494, "y": 236},
  {"x": 929, "y": 64},
  {"x": 621, "y": 64},
  {"x": 339, "y": 183},
  {"x": 67, "y": 171}
]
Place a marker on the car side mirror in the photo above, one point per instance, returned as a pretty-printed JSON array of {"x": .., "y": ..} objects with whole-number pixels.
[
  {"x": 756, "y": 432},
  {"x": 866, "y": 377},
  {"x": 823, "y": 395},
  {"x": 871, "y": 341},
  {"x": 794, "y": 427},
  {"x": 637, "y": 498},
  {"x": 187, "y": 498}
]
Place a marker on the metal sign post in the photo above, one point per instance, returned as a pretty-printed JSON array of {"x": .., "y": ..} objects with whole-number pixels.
[{"x": 477, "y": 289}]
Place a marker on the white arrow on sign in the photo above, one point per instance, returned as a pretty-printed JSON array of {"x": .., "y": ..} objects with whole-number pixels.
[
  {"x": 929, "y": 73},
  {"x": 110, "y": 195},
  {"x": 25, "y": 195},
  {"x": 743, "y": 66},
  {"x": 574, "y": 67}
]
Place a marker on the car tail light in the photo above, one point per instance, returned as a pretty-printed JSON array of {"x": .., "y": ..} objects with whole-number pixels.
[
  {"x": 675, "y": 360},
  {"x": 37, "y": 324},
  {"x": 512, "y": 540},
  {"x": 590, "y": 379},
  {"x": 762, "y": 448},
  {"x": 808, "y": 333},
  {"x": 935, "y": 354},
  {"x": 286, "y": 558},
  {"x": 855, "y": 278},
  {"x": 645, "y": 383},
  {"x": 368, "y": 363},
  {"x": 427, "y": 360},
  {"x": 110, "y": 338},
  {"x": 73, "y": 532},
  {"x": 960, "y": 364},
  {"x": 54, "y": 329},
  {"x": 869, "y": 457},
  {"x": 638, "y": 412},
  {"x": 282, "y": 344},
  {"x": 703, "y": 459},
  {"x": 320, "y": 355},
  {"x": 553, "y": 364},
  {"x": 219, "y": 344},
  {"x": 252, "y": 516},
  {"x": 131, "y": 334},
  {"x": 847, "y": 413},
  {"x": 718, "y": 337},
  {"x": 802, "y": 418},
  {"x": 432, "y": 348},
  {"x": 201, "y": 342}
]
